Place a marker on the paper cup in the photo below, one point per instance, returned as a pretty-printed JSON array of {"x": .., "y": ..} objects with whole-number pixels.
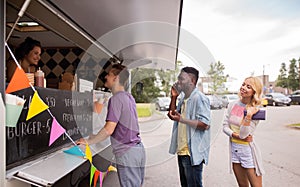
[
  {"x": 10, "y": 99},
  {"x": 12, "y": 114},
  {"x": 98, "y": 107},
  {"x": 14, "y": 100},
  {"x": 20, "y": 101}
]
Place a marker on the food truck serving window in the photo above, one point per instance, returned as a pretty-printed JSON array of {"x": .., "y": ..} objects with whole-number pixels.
[{"x": 29, "y": 139}]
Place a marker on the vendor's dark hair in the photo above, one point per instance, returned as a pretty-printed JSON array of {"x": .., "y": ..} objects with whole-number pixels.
[
  {"x": 25, "y": 47},
  {"x": 191, "y": 71},
  {"x": 122, "y": 71}
]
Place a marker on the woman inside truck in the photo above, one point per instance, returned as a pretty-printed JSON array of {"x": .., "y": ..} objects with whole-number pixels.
[{"x": 28, "y": 55}]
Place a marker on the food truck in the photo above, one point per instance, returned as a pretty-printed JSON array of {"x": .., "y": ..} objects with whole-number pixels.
[{"x": 80, "y": 41}]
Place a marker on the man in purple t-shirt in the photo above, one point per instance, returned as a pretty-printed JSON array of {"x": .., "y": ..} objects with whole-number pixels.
[{"x": 123, "y": 128}]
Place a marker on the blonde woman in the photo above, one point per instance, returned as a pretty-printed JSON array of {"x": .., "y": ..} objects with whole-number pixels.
[{"x": 245, "y": 157}]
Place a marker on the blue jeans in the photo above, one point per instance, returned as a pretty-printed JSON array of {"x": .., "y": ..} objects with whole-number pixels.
[{"x": 189, "y": 175}]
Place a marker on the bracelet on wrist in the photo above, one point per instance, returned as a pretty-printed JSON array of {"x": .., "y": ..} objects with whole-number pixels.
[{"x": 247, "y": 119}]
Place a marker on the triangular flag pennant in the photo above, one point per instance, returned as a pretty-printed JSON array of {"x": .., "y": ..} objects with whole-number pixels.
[
  {"x": 111, "y": 168},
  {"x": 96, "y": 175},
  {"x": 18, "y": 81},
  {"x": 56, "y": 131},
  {"x": 93, "y": 169},
  {"x": 88, "y": 153},
  {"x": 75, "y": 151},
  {"x": 101, "y": 179},
  {"x": 37, "y": 106}
]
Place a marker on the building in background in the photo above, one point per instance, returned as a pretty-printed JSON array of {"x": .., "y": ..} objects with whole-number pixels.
[{"x": 232, "y": 85}]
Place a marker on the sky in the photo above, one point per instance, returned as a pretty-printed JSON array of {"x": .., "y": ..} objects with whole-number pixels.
[{"x": 247, "y": 36}]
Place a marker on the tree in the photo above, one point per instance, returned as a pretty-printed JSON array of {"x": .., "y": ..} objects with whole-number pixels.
[
  {"x": 168, "y": 77},
  {"x": 154, "y": 81},
  {"x": 282, "y": 77},
  {"x": 148, "y": 78},
  {"x": 217, "y": 77},
  {"x": 299, "y": 72},
  {"x": 293, "y": 80},
  {"x": 289, "y": 78}
]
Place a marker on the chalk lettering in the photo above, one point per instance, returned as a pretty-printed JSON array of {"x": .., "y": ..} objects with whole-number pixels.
[
  {"x": 10, "y": 133},
  {"x": 48, "y": 128},
  {"x": 74, "y": 102},
  {"x": 74, "y": 111},
  {"x": 71, "y": 132},
  {"x": 24, "y": 129},
  {"x": 66, "y": 117},
  {"x": 50, "y": 101}
]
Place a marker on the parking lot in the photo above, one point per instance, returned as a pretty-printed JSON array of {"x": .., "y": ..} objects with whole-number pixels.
[{"x": 278, "y": 142}]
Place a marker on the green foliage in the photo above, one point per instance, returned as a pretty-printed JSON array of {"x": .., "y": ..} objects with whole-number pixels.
[
  {"x": 144, "y": 110},
  {"x": 167, "y": 77},
  {"x": 148, "y": 78},
  {"x": 154, "y": 81},
  {"x": 289, "y": 78},
  {"x": 282, "y": 77},
  {"x": 293, "y": 75},
  {"x": 217, "y": 77}
]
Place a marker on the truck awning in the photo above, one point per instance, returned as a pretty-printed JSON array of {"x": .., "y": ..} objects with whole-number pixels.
[{"x": 139, "y": 33}]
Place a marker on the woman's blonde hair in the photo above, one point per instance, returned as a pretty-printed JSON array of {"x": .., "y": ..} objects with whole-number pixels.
[{"x": 257, "y": 87}]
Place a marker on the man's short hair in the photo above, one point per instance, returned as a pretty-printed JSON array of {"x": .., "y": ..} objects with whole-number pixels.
[
  {"x": 119, "y": 69},
  {"x": 192, "y": 71}
]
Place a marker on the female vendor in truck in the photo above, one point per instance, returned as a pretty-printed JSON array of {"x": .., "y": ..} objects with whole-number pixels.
[{"x": 28, "y": 55}]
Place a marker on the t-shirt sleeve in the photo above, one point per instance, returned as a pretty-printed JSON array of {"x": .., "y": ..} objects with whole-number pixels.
[
  {"x": 226, "y": 127},
  {"x": 114, "y": 109}
]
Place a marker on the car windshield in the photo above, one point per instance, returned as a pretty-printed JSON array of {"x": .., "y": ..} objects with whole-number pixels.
[
  {"x": 278, "y": 95},
  {"x": 164, "y": 99}
]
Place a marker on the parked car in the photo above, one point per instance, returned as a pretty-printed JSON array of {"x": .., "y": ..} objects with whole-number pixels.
[
  {"x": 226, "y": 99},
  {"x": 215, "y": 102},
  {"x": 162, "y": 103},
  {"x": 295, "y": 97},
  {"x": 276, "y": 99}
]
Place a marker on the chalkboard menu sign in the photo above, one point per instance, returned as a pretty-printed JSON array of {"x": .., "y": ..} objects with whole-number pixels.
[{"x": 30, "y": 139}]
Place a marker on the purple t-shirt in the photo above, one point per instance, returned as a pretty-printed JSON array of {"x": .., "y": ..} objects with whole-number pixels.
[{"x": 122, "y": 110}]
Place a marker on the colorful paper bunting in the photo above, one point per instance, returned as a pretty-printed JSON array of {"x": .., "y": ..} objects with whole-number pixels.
[
  {"x": 18, "y": 81},
  {"x": 112, "y": 168},
  {"x": 101, "y": 179},
  {"x": 96, "y": 175},
  {"x": 75, "y": 151},
  {"x": 88, "y": 153},
  {"x": 93, "y": 169},
  {"x": 56, "y": 131},
  {"x": 37, "y": 106}
]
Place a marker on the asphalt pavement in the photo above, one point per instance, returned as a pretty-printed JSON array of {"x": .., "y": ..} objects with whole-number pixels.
[{"x": 278, "y": 142}]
